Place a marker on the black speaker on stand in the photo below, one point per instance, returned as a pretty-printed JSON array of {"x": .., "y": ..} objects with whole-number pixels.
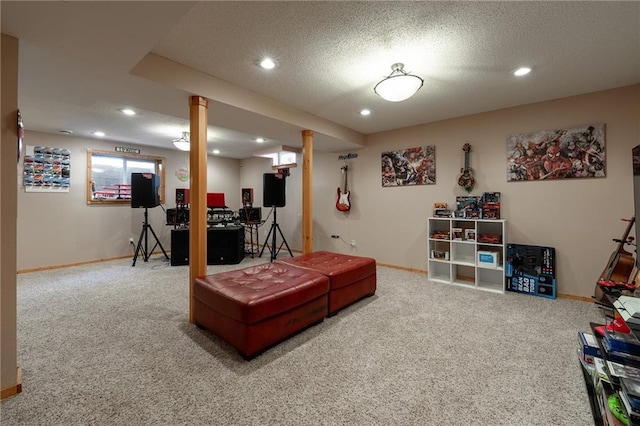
[
  {"x": 144, "y": 190},
  {"x": 274, "y": 196},
  {"x": 144, "y": 193}
]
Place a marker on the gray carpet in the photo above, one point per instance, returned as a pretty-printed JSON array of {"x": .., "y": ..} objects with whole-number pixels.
[{"x": 111, "y": 344}]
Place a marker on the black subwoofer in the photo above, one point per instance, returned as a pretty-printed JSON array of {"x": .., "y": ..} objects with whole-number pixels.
[
  {"x": 179, "y": 247},
  {"x": 225, "y": 245}
]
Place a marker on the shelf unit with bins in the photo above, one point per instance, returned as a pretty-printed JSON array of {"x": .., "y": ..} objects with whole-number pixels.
[{"x": 453, "y": 248}]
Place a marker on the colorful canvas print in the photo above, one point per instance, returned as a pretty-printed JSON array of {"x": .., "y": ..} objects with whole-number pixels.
[
  {"x": 577, "y": 152},
  {"x": 413, "y": 166}
]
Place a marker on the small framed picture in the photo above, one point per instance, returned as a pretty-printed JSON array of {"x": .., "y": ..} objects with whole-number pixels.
[
  {"x": 470, "y": 234},
  {"x": 457, "y": 233}
]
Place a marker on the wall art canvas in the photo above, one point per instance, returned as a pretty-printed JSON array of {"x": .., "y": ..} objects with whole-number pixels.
[
  {"x": 412, "y": 166},
  {"x": 46, "y": 169},
  {"x": 577, "y": 152}
]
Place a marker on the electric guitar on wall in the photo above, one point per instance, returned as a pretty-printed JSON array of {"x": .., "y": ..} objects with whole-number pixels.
[
  {"x": 466, "y": 179},
  {"x": 343, "y": 203}
]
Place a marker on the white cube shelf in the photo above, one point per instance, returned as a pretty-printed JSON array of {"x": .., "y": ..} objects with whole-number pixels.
[{"x": 454, "y": 245}]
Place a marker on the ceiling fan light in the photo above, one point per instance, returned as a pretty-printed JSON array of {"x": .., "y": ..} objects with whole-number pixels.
[{"x": 399, "y": 85}]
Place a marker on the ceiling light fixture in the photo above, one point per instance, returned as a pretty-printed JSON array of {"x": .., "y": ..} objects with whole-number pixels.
[
  {"x": 182, "y": 143},
  {"x": 128, "y": 111},
  {"x": 365, "y": 112},
  {"x": 267, "y": 64},
  {"x": 99, "y": 134},
  {"x": 399, "y": 85},
  {"x": 522, "y": 71}
]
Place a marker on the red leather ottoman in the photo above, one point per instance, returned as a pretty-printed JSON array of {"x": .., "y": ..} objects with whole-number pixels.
[
  {"x": 256, "y": 307},
  {"x": 351, "y": 278}
]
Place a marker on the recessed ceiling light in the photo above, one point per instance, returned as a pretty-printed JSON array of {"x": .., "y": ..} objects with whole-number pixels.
[
  {"x": 100, "y": 134},
  {"x": 216, "y": 151},
  {"x": 267, "y": 64},
  {"x": 365, "y": 112},
  {"x": 522, "y": 71},
  {"x": 128, "y": 111},
  {"x": 260, "y": 140},
  {"x": 65, "y": 132}
]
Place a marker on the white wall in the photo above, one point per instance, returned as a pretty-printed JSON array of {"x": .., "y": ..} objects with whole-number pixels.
[
  {"x": 61, "y": 229},
  {"x": 579, "y": 217}
]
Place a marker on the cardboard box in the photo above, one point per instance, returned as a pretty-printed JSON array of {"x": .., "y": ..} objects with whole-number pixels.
[{"x": 589, "y": 347}]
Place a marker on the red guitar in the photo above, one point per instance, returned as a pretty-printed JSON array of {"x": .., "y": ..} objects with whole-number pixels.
[{"x": 343, "y": 203}]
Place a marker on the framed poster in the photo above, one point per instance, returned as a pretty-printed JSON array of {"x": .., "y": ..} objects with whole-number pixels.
[
  {"x": 531, "y": 270},
  {"x": 46, "y": 169},
  {"x": 577, "y": 152},
  {"x": 411, "y": 166}
]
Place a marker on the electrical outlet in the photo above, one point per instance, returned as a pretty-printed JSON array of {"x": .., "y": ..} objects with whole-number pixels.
[{"x": 353, "y": 243}]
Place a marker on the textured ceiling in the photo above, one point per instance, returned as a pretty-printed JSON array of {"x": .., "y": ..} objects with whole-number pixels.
[{"x": 76, "y": 59}]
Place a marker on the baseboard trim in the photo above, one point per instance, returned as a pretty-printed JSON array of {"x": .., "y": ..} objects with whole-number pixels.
[
  {"x": 402, "y": 268},
  {"x": 68, "y": 265},
  {"x": 572, "y": 297},
  {"x": 15, "y": 389}
]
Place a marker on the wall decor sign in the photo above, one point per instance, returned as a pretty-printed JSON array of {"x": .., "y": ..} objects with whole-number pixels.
[
  {"x": 46, "y": 169},
  {"x": 412, "y": 166},
  {"x": 348, "y": 156},
  {"x": 577, "y": 152},
  {"x": 127, "y": 150},
  {"x": 183, "y": 173}
]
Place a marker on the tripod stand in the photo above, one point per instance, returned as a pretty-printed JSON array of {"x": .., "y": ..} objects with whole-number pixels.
[
  {"x": 272, "y": 233},
  {"x": 146, "y": 253}
]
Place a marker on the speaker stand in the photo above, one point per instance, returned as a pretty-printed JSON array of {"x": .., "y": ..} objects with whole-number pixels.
[
  {"x": 272, "y": 233},
  {"x": 144, "y": 250}
]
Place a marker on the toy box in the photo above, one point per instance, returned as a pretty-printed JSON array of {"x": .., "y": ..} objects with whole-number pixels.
[
  {"x": 488, "y": 258},
  {"x": 491, "y": 205},
  {"x": 468, "y": 207},
  {"x": 531, "y": 270},
  {"x": 589, "y": 347}
]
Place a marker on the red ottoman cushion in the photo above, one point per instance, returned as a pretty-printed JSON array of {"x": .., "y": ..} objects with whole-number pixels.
[
  {"x": 350, "y": 277},
  {"x": 257, "y": 307},
  {"x": 255, "y": 293},
  {"x": 341, "y": 269}
]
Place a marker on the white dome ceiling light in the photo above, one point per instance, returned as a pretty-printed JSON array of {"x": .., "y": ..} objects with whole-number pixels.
[
  {"x": 399, "y": 85},
  {"x": 182, "y": 143}
]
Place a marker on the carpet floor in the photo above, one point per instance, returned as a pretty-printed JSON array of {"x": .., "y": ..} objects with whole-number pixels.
[{"x": 110, "y": 344}]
